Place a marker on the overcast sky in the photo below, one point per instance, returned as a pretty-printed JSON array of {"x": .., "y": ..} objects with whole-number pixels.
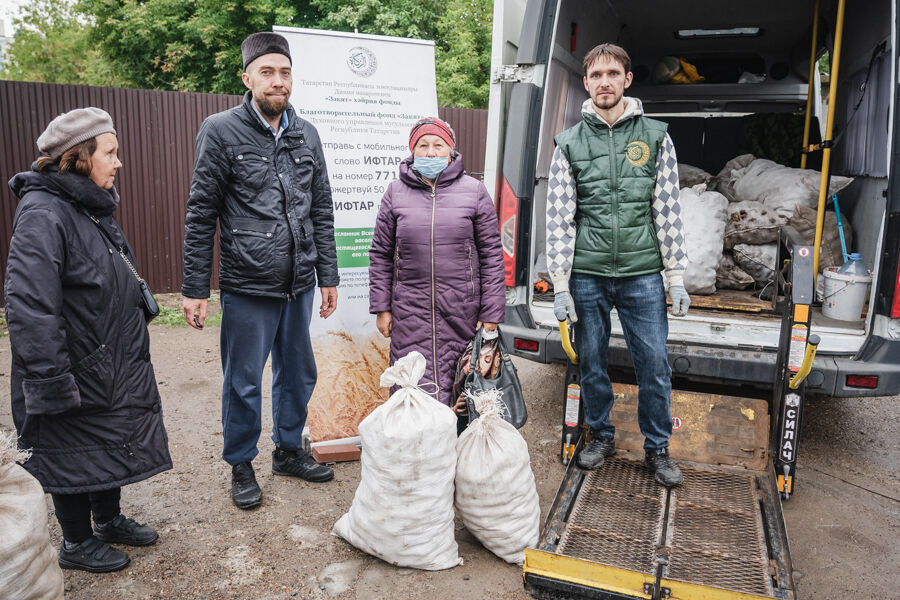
[{"x": 9, "y": 9}]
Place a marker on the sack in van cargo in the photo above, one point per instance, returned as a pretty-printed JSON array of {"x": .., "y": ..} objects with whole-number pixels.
[
  {"x": 729, "y": 276},
  {"x": 781, "y": 188},
  {"x": 830, "y": 253},
  {"x": 728, "y": 176},
  {"x": 757, "y": 261},
  {"x": 751, "y": 222},
  {"x": 703, "y": 217},
  {"x": 496, "y": 497},
  {"x": 402, "y": 511},
  {"x": 28, "y": 563},
  {"x": 689, "y": 176},
  {"x": 671, "y": 69},
  {"x": 666, "y": 69}
]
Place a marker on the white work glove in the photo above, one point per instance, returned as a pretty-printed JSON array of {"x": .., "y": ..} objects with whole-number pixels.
[
  {"x": 564, "y": 307},
  {"x": 680, "y": 300}
]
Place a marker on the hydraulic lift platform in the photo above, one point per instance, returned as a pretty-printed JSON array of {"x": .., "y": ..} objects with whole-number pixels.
[{"x": 614, "y": 533}]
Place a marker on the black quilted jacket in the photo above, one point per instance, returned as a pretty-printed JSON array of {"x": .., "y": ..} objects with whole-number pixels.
[
  {"x": 272, "y": 201},
  {"x": 84, "y": 396}
]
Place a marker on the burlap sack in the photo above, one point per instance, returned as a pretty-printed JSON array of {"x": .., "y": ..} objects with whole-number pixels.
[
  {"x": 28, "y": 563},
  {"x": 729, "y": 276},
  {"x": 751, "y": 223},
  {"x": 830, "y": 253}
]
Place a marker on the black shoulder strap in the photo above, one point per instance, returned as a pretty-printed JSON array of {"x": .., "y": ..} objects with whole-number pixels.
[{"x": 106, "y": 234}]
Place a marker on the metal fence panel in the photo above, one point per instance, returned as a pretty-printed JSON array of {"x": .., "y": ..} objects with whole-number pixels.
[
  {"x": 156, "y": 144},
  {"x": 470, "y": 125}
]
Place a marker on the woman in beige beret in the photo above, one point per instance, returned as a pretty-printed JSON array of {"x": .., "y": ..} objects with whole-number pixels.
[{"x": 84, "y": 396}]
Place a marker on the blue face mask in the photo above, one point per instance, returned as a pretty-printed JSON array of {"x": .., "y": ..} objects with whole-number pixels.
[{"x": 430, "y": 168}]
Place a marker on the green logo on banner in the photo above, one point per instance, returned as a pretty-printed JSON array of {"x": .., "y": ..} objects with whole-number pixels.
[{"x": 353, "y": 246}]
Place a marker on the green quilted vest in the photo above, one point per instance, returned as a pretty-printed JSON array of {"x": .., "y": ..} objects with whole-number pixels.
[{"x": 615, "y": 173}]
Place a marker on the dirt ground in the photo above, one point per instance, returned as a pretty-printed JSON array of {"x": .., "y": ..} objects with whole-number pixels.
[{"x": 843, "y": 522}]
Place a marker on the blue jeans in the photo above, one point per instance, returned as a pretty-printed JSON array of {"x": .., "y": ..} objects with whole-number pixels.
[
  {"x": 641, "y": 304},
  {"x": 252, "y": 328}
]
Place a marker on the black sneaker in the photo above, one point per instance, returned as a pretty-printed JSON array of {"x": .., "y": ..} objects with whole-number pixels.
[
  {"x": 593, "y": 455},
  {"x": 299, "y": 464},
  {"x": 125, "y": 531},
  {"x": 94, "y": 556},
  {"x": 245, "y": 491},
  {"x": 667, "y": 472}
]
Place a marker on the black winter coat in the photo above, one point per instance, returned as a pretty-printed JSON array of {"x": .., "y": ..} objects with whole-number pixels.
[
  {"x": 273, "y": 203},
  {"x": 84, "y": 396}
]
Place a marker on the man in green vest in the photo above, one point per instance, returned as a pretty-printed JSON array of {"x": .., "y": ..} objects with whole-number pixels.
[{"x": 613, "y": 223}]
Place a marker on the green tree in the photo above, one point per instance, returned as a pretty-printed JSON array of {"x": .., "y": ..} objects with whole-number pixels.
[
  {"x": 825, "y": 63},
  {"x": 463, "y": 63},
  {"x": 461, "y": 30},
  {"x": 187, "y": 45},
  {"x": 400, "y": 18},
  {"x": 194, "y": 45},
  {"x": 52, "y": 45}
]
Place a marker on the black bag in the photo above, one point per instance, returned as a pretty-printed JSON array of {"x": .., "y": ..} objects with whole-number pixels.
[
  {"x": 148, "y": 302},
  {"x": 512, "y": 402}
]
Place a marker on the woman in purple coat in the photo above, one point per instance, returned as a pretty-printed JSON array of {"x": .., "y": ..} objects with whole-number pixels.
[{"x": 436, "y": 270}]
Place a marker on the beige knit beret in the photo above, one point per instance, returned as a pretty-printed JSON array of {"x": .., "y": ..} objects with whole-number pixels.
[{"x": 72, "y": 128}]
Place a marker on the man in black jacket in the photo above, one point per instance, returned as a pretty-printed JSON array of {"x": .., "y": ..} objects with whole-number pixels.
[{"x": 260, "y": 173}]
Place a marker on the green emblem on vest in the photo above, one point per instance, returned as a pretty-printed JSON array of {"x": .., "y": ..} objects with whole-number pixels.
[{"x": 637, "y": 153}]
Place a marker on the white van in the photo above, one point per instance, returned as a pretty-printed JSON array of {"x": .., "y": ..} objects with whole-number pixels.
[{"x": 537, "y": 91}]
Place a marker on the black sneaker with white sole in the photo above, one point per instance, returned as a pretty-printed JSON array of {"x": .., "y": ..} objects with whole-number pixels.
[{"x": 665, "y": 469}]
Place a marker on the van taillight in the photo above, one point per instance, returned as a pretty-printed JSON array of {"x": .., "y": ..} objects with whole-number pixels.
[
  {"x": 509, "y": 210},
  {"x": 895, "y": 307},
  {"x": 528, "y": 345},
  {"x": 862, "y": 381}
]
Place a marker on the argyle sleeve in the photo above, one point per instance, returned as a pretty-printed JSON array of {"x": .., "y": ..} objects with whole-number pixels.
[
  {"x": 561, "y": 205},
  {"x": 666, "y": 212}
]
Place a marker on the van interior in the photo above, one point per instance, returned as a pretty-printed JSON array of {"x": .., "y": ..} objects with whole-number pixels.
[{"x": 754, "y": 57}]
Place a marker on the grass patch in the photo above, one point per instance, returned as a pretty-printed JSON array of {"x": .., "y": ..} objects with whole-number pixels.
[{"x": 172, "y": 315}]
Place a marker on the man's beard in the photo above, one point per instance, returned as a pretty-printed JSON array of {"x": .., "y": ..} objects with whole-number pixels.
[
  {"x": 272, "y": 108},
  {"x": 609, "y": 103}
]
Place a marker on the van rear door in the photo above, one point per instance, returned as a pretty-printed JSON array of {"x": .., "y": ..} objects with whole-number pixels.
[{"x": 522, "y": 37}]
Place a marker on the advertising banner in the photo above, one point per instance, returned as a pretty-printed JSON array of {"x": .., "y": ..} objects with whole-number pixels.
[{"x": 363, "y": 93}]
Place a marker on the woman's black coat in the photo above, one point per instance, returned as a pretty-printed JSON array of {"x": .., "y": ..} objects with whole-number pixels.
[{"x": 84, "y": 396}]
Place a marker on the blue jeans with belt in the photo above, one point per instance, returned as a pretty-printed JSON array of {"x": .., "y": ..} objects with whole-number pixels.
[
  {"x": 252, "y": 328},
  {"x": 641, "y": 305}
]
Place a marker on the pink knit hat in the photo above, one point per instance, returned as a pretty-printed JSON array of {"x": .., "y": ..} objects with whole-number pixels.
[{"x": 431, "y": 126}]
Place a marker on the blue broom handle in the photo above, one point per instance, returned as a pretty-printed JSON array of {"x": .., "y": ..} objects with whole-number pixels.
[{"x": 840, "y": 224}]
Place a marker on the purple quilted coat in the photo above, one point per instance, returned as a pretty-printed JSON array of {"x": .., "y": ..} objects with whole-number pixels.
[{"x": 436, "y": 264}]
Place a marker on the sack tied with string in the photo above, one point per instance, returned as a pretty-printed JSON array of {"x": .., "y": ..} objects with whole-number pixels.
[
  {"x": 403, "y": 508},
  {"x": 496, "y": 496},
  {"x": 28, "y": 563},
  {"x": 703, "y": 214}
]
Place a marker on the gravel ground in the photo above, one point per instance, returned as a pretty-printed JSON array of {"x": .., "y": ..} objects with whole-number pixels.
[{"x": 843, "y": 522}]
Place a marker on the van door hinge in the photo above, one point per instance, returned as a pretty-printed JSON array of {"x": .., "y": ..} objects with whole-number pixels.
[{"x": 513, "y": 74}]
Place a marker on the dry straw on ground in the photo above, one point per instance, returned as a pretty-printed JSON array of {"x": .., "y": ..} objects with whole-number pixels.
[
  {"x": 348, "y": 389},
  {"x": 9, "y": 451}
]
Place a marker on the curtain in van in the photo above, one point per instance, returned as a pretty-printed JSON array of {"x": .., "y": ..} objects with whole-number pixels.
[{"x": 862, "y": 150}]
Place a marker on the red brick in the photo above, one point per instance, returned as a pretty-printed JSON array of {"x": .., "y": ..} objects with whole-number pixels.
[{"x": 335, "y": 453}]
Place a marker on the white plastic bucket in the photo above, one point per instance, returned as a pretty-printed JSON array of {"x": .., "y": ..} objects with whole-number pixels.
[{"x": 844, "y": 294}]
